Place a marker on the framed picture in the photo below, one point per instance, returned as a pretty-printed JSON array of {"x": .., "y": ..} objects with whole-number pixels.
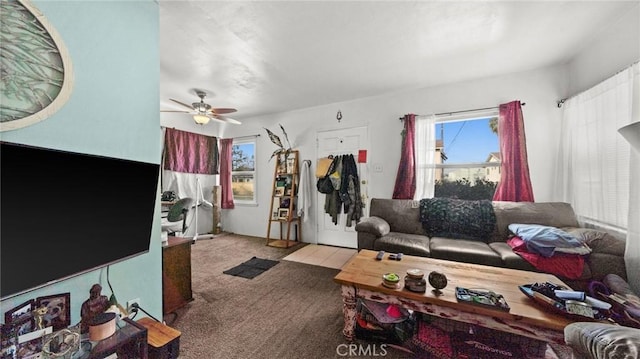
[
  {"x": 283, "y": 213},
  {"x": 23, "y": 326},
  {"x": 58, "y": 310},
  {"x": 290, "y": 162},
  {"x": 8, "y": 342},
  {"x": 275, "y": 214},
  {"x": 285, "y": 203},
  {"x": 279, "y": 192},
  {"x": 282, "y": 165},
  {"x": 20, "y": 312},
  {"x": 30, "y": 344}
]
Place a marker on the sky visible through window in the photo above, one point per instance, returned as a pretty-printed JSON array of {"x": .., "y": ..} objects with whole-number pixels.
[
  {"x": 467, "y": 141},
  {"x": 248, "y": 151}
]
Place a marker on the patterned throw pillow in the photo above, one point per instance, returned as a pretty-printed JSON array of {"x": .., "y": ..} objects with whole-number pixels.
[{"x": 457, "y": 218}]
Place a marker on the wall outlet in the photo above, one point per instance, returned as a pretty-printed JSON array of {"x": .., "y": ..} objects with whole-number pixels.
[{"x": 130, "y": 304}]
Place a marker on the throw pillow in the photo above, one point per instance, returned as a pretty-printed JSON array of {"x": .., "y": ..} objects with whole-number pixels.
[
  {"x": 457, "y": 218},
  {"x": 546, "y": 240}
]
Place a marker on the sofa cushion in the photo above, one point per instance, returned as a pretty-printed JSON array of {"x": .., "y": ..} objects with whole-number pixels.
[
  {"x": 456, "y": 218},
  {"x": 555, "y": 214},
  {"x": 401, "y": 214},
  {"x": 510, "y": 259},
  {"x": 464, "y": 250},
  {"x": 603, "y": 340},
  {"x": 598, "y": 241},
  {"x": 374, "y": 225},
  {"x": 602, "y": 264},
  {"x": 411, "y": 244}
]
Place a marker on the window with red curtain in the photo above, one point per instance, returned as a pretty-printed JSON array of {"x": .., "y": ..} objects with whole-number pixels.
[
  {"x": 405, "y": 185},
  {"x": 190, "y": 152},
  {"x": 515, "y": 182},
  {"x": 225, "y": 173}
]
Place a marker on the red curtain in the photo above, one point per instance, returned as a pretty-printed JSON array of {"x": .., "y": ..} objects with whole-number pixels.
[
  {"x": 515, "y": 183},
  {"x": 190, "y": 152},
  {"x": 405, "y": 185},
  {"x": 226, "y": 152}
]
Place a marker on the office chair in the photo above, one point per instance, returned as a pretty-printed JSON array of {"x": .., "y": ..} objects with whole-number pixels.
[{"x": 177, "y": 212}]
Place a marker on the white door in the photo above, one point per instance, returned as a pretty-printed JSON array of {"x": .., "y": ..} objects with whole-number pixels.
[{"x": 341, "y": 142}]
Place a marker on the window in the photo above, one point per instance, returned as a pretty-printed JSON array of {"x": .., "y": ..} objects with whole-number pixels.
[
  {"x": 243, "y": 172},
  {"x": 467, "y": 157}
]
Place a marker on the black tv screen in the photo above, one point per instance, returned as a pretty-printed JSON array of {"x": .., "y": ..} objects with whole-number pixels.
[{"x": 64, "y": 214}]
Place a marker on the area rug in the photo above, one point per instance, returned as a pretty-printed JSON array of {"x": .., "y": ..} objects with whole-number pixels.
[{"x": 251, "y": 268}]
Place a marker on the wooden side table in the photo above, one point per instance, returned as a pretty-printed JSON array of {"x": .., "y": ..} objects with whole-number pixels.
[
  {"x": 176, "y": 273},
  {"x": 163, "y": 341}
]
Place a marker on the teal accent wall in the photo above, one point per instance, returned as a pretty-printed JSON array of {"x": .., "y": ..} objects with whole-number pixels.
[{"x": 113, "y": 111}]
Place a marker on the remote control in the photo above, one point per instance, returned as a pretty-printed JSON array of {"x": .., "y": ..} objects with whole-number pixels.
[{"x": 380, "y": 255}]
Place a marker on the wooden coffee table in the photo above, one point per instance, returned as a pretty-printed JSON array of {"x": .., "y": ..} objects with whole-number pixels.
[{"x": 361, "y": 277}]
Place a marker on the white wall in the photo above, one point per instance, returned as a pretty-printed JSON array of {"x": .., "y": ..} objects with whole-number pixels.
[
  {"x": 611, "y": 51},
  {"x": 539, "y": 89},
  {"x": 113, "y": 111}
]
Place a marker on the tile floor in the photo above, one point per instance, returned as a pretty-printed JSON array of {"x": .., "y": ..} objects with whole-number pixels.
[{"x": 321, "y": 255}]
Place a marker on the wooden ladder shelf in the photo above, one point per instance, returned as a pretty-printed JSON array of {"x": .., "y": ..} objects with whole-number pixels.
[{"x": 284, "y": 200}]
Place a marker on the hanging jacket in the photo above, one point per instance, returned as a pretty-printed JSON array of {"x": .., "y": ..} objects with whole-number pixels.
[{"x": 350, "y": 190}]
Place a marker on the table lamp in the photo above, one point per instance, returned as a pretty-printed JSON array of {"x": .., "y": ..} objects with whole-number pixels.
[{"x": 631, "y": 133}]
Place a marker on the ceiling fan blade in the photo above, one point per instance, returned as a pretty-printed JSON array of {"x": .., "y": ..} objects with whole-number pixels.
[
  {"x": 222, "y": 111},
  {"x": 226, "y": 120},
  {"x": 183, "y": 104}
]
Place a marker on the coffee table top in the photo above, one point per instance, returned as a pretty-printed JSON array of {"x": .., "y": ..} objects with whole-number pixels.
[{"x": 364, "y": 271}]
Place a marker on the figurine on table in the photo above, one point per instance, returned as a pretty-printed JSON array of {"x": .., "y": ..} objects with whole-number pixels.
[{"x": 96, "y": 304}]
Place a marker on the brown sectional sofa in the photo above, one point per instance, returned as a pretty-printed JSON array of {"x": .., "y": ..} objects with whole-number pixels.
[{"x": 394, "y": 226}]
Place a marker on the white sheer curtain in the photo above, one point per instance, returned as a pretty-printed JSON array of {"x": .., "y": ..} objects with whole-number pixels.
[
  {"x": 596, "y": 165},
  {"x": 632, "y": 253},
  {"x": 425, "y": 152}
]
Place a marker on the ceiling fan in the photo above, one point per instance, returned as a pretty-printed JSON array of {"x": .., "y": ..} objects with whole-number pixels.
[{"x": 203, "y": 112}]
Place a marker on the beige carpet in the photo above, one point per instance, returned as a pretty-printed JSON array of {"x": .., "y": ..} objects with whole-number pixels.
[{"x": 292, "y": 310}]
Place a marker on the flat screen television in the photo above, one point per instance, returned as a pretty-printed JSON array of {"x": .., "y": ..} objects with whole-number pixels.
[{"x": 63, "y": 214}]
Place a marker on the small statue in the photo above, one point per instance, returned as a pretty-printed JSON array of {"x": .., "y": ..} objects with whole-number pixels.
[
  {"x": 96, "y": 304},
  {"x": 38, "y": 315}
]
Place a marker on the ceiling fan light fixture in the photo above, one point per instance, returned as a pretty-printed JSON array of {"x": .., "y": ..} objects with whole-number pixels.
[{"x": 201, "y": 119}]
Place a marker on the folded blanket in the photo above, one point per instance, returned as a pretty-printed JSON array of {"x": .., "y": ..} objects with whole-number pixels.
[
  {"x": 546, "y": 240},
  {"x": 457, "y": 218},
  {"x": 565, "y": 265}
]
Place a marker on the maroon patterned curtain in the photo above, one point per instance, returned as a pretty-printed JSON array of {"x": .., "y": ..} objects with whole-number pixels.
[
  {"x": 226, "y": 152},
  {"x": 405, "y": 185},
  {"x": 515, "y": 183},
  {"x": 190, "y": 152}
]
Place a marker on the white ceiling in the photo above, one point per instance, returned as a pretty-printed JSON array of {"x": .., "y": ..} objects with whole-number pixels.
[{"x": 266, "y": 57}]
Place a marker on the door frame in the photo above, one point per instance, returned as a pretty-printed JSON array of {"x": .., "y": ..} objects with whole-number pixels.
[{"x": 362, "y": 167}]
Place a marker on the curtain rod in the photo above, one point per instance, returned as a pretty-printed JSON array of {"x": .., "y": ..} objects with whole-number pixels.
[
  {"x": 463, "y": 111},
  {"x": 258, "y": 135},
  {"x": 562, "y": 101}
]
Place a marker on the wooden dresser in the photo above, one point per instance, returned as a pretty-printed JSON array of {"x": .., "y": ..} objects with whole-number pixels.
[{"x": 176, "y": 273}]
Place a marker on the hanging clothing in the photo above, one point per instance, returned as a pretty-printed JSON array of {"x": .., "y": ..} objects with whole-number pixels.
[
  {"x": 305, "y": 190},
  {"x": 350, "y": 190},
  {"x": 347, "y": 197}
]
